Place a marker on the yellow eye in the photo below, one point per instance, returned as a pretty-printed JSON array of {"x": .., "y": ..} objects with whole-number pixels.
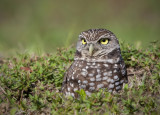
[
  {"x": 104, "y": 41},
  {"x": 84, "y": 41}
]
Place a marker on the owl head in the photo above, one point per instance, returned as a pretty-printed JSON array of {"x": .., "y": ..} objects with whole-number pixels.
[{"x": 97, "y": 45}]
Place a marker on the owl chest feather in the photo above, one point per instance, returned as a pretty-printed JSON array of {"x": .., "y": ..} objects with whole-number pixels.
[{"x": 92, "y": 76}]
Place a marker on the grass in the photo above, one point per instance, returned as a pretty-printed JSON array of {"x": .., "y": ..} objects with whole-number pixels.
[{"x": 30, "y": 84}]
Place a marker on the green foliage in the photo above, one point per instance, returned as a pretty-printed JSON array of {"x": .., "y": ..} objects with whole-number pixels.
[{"x": 31, "y": 85}]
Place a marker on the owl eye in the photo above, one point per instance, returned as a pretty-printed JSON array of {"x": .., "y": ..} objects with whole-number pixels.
[
  {"x": 83, "y": 41},
  {"x": 104, "y": 41}
]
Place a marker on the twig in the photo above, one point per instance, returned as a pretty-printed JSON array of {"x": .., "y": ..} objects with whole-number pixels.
[{"x": 3, "y": 90}]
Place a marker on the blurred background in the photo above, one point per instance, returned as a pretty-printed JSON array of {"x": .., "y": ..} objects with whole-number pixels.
[{"x": 41, "y": 26}]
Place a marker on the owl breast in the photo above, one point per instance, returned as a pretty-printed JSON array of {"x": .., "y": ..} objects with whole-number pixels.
[{"x": 92, "y": 76}]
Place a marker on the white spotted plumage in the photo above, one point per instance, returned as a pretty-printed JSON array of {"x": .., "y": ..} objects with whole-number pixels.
[{"x": 102, "y": 68}]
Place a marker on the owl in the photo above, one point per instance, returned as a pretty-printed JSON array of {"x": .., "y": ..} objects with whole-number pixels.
[{"x": 98, "y": 64}]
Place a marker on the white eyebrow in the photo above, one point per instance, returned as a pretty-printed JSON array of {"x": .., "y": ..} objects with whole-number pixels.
[
  {"x": 104, "y": 36},
  {"x": 81, "y": 36}
]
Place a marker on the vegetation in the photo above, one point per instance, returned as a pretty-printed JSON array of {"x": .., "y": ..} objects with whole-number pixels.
[{"x": 31, "y": 84}]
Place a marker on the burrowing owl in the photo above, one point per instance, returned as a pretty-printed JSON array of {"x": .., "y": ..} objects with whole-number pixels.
[{"x": 97, "y": 64}]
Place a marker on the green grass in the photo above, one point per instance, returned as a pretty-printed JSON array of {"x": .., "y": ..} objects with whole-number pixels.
[{"x": 31, "y": 84}]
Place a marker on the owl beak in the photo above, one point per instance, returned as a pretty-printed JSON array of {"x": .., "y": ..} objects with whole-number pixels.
[{"x": 91, "y": 48}]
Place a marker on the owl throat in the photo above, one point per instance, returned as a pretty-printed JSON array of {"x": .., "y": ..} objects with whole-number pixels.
[{"x": 108, "y": 57}]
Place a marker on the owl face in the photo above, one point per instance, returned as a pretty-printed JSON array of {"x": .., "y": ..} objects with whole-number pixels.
[{"x": 96, "y": 43}]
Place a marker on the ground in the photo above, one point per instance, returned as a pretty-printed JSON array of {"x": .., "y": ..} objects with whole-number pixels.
[{"x": 31, "y": 84}]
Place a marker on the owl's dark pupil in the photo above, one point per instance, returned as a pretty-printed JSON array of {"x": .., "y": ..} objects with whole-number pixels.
[{"x": 103, "y": 40}]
